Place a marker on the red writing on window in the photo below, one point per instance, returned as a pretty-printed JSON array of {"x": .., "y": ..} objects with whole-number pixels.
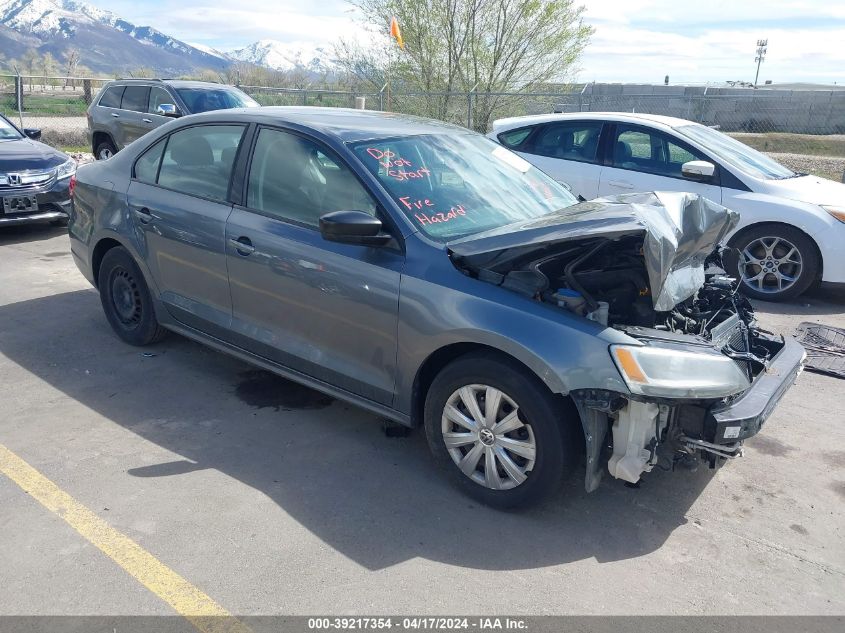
[
  {"x": 415, "y": 204},
  {"x": 387, "y": 159},
  {"x": 402, "y": 175},
  {"x": 435, "y": 218}
]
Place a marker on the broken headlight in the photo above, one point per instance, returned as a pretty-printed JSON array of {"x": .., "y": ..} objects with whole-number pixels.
[{"x": 672, "y": 372}]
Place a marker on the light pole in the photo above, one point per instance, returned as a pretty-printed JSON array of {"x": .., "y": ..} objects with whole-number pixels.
[{"x": 761, "y": 55}]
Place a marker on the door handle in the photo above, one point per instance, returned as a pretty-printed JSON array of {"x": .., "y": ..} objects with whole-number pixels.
[
  {"x": 144, "y": 215},
  {"x": 115, "y": 115},
  {"x": 147, "y": 120},
  {"x": 621, "y": 184},
  {"x": 243, "y": 245}
]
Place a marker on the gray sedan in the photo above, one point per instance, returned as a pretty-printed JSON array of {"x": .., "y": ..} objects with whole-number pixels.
[{"x": 425, "y": 273}]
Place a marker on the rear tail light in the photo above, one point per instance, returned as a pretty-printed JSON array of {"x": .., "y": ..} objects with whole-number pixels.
[{"x": 72, "y": 185}]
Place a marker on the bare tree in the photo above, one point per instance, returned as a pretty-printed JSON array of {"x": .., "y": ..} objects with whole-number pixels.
[
  {"x": 48, "y": 67},
  {"x": 30, "y": 64},
  {"x": 484, "y": 46},
  {"x": 72, "y": 59}
]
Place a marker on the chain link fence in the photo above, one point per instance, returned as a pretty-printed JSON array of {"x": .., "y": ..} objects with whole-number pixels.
[
  {"x": 803, "y": 129},
  {"x": 56, "y": 105}
]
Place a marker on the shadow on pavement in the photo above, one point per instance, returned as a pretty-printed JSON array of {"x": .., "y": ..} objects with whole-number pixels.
[
  {"x": 816, "y": 301},
  {"x": 29, "y": 233},
  {"x": 375, "y": 499}
]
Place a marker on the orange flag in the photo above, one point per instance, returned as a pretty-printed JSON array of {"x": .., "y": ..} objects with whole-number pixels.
[{"x": 396, "y": 33}]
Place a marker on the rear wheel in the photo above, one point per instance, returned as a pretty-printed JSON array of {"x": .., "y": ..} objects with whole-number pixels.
[
  {"x": 126, "y": 299},
  {"x": 105, "y": 150},
  {"x": 498, "y": 431},
  {"x": 776, "y": 262}
]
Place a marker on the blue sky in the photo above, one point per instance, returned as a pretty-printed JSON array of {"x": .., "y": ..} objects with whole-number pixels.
[{"x": 635, "y": 40}]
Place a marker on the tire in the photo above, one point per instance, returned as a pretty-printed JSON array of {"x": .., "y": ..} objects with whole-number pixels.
[
  {"x": 547, "y": 425},
  {"x": 776, "y": 262},
  {"x": 126, "y": 299},
  {"x": 105, "y": 150}
]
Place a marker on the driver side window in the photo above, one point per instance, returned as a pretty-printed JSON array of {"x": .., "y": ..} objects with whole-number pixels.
[
  {"x": 291, "y": 178},
  {"x": 651, "y": 152}
]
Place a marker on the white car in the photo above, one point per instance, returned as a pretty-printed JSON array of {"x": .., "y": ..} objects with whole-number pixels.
[{"x": 792, "y": 226}]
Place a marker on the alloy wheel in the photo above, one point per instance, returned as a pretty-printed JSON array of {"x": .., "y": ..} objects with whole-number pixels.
[
  {"x": 105, "y": 153},
  {"x": 486, "y": 438},
  {"x": 770, "y": 264}
]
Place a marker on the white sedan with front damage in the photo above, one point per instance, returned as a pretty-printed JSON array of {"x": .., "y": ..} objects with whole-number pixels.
[{"x": 792, "y": 226}]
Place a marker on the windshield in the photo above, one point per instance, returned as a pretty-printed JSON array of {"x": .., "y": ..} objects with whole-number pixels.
[
  {"x": 454, "y": 186},
  {"x": 8, "y": 131},
  {"x": 207, "y": 99},
  {"x": 746, "y": 159}
]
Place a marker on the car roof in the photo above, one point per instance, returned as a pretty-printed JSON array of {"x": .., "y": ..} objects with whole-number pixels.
[
  {"x": 628, "y": 117},
  {"x": 349, "y": 125},
  {"x": 176, "y": 83}
]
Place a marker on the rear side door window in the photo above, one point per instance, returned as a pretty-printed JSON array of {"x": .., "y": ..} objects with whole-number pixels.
[
  {"x": 291, "y": 178},
  {"x": 111, "y": 97},
  {"x": 146, "y": 167},
  {"x": 197, "y": 161},
  {"x": 567, "y": 140},
  {"x": 135, "y": 98},
  {"x": 512, "y": 139}
]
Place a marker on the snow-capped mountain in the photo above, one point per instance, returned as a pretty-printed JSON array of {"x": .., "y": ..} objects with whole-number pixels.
[
  {"x": 211, "y": 51},
  {"x": 283, "y": 56},
  {"x": 106, "y": 41}
]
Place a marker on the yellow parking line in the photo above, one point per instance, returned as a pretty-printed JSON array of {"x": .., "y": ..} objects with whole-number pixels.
[{"x": 186, "y": 599}]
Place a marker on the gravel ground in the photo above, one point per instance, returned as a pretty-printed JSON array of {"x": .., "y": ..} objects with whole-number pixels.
[{"x": 826, "y": 166}]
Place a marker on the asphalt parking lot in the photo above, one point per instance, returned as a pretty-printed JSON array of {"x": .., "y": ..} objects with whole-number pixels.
[{"x": 272, "y": 499}]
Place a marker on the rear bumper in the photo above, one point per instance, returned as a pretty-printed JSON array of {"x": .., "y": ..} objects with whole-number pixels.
[{"x": 744, "y": 417}]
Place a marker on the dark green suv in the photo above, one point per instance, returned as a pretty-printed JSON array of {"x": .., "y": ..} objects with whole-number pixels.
[{"x": 126, "y": 109}]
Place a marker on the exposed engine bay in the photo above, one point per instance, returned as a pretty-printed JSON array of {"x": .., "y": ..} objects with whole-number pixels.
[{"x": 667, "y": 289}]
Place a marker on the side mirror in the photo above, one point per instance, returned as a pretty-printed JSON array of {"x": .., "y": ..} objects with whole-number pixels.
[
  {"x": 699, "y": 170},
  {"x": 169, "y": 110},
  {"x": 353, "y": 227},
  {"x": 32, "y": 132}
]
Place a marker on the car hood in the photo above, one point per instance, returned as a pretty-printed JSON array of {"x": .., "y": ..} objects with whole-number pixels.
[
  {"x": 810, "y": 189},
  {"x": 25, "y": 154},
  {"x": 680, "y": 231}
]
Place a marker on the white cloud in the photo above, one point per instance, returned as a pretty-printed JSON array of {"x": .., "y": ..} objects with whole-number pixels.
[
  {"x": 689, "y": 44},
  {"x": 635, "y": 40},
  {"x": 637, "y": 55}
]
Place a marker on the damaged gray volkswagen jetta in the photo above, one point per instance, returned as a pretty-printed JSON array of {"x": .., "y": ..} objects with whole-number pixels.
[{"x": 435, "y": 278}]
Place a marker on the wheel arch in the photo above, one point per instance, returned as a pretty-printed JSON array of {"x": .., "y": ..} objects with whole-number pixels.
[
  {"x": 98, "y": 137},
  {"x": 756, "y": 226},
  {"x": 99, "y": 251},
  {"x": 440, "y": 358}
]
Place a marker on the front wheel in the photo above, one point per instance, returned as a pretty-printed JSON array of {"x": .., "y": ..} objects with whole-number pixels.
[
  {"x": 776, "y": 262},
  {"x": 498, "y": 431}
]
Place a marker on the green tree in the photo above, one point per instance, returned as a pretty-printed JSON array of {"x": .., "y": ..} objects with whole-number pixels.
[{"x": 487, "y": 46}]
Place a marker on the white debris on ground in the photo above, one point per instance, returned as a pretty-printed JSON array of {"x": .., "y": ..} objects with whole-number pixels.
[{"x": 82, "y": 157}]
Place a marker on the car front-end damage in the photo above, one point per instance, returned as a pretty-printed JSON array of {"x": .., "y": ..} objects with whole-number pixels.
[{"x": 702, "y": 376}]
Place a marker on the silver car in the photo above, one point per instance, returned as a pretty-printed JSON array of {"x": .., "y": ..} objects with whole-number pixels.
[
  {"x": 126, "y": 109},
  {"x": 427, "y": 274}
]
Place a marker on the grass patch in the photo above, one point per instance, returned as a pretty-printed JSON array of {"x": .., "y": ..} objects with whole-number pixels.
[
  {"x": 782, "y": 142},
  {"x": 49, "y": 105},
  {"x": 73, "y": 149}
]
